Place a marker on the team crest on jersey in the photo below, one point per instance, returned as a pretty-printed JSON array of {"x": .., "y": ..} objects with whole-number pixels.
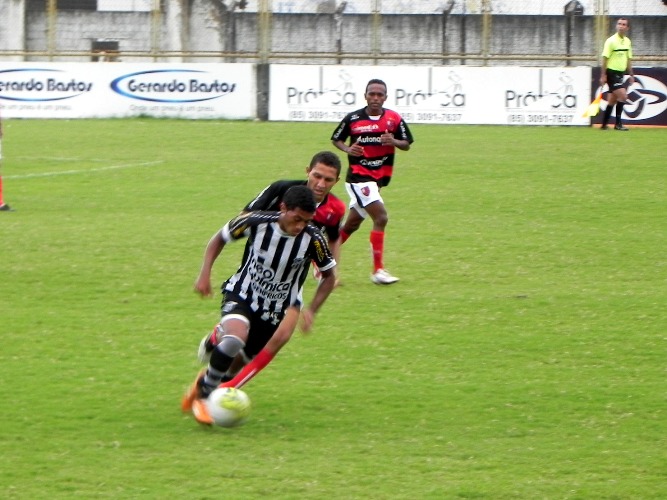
[
  {"x": 297, "y": 263},
  {"x": 365, "y": 190}
]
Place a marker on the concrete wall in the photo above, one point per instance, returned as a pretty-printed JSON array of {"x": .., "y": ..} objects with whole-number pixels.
[{"x": 207, "y": 31}]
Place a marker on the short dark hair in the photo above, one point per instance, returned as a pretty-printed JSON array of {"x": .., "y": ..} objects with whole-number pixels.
[
  {"x": 300, "y": 197},
  {"x": 326, "y": 158},
  {"x": 378, "y": 81}
]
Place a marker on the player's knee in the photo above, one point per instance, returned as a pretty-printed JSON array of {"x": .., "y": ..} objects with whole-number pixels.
[
  {"x": 231, "y": 345},
  {"x": 381, "y": 220}
]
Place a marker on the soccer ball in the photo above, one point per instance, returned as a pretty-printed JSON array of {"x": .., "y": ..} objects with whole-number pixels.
[{"x": 229, "y": 407}]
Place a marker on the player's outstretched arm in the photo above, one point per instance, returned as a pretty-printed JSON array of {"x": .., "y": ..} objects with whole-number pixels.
[
  {"x": 213, "y": 249},
  {"x": 280, "y": 337},
  {"x": 324, "y": 289}
]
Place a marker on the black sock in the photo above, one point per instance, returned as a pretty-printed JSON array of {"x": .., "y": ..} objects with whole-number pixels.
[
  {"x": 607, "y": 115},
  {"x": 619, "y": 113},
  {"x": 217, "y": 367}
]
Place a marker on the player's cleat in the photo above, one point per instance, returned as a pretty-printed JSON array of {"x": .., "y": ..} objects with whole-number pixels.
[
  {"x": 6, "y": 208},
  {"x": 382, "y": 277},
  {"x": 193, "y": 392},
  {"x": 604, "y": 126},
  {"x": 206, "y": 347},
  {"x": 621, "y": 127},
  {"x": 200, "y": 412}
]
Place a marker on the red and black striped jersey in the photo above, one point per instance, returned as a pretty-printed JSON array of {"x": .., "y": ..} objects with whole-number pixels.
[
  {"x": 328, "y": 216},
  {"x": 377, "y": 163}
]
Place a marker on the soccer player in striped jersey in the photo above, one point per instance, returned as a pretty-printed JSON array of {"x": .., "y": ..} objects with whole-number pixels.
[
  {"x": 323, "y": 174},
  {"x": 262, "y": 301},
  {"x": 374, "y": 132}
]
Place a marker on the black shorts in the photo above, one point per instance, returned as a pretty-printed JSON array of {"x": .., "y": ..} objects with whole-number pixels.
[
  {"x": 263, "y": 324},
  {"x": 614, "y": 79}
]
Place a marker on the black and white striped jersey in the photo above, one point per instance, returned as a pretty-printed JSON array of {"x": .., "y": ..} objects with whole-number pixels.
[{"x": 275, "y": 264}]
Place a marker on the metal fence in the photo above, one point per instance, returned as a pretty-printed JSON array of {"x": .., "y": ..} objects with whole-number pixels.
[{"x": 471, "y": 32}]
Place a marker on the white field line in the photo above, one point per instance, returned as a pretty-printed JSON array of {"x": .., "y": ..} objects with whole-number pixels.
[{"x": 83, "y": 171}]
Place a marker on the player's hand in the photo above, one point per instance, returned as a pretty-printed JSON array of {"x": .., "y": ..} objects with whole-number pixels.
[
  {"x": 387, "y": 139},
  {"x": 307, "y": 319},
  {"x": 356, "y": 150},
  {"x": 203, "y": 287}
]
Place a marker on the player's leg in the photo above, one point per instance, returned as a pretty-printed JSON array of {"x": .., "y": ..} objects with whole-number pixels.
[
  {"x": 355, "y": 214},
  {"x": 621, "y": 97},
  {"x": 229, "y": 339},
  {"x": 3, "y": 206},
  {"x": 378, "y": 215},
  {"x": 352, "y": 223},
  {"x": 235, "y": 328},
  {"x": 611, "y": 102},
  {"x": 369, "y": 203},
  {"x": 613, "y": 84},
  {"x": 271, "y": 339}
]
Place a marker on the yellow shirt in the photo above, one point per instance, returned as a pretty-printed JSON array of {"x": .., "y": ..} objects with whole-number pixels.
[{"x": 618, "y": 52}]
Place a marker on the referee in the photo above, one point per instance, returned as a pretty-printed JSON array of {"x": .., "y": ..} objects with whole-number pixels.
[{"x": 616, "y": 62}]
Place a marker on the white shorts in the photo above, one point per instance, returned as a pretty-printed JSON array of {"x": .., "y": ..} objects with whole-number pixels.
[{"x": 363, "y": 194}]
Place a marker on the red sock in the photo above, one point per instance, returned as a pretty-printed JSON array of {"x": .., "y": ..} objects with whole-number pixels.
[
  {"x": 377, "y": 247},
  {"x": 262, "y": 359},
  {"x": 343, "y": 236}
]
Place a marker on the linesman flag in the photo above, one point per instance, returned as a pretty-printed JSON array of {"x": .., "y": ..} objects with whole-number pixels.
[{"x": 594, "y": 107}]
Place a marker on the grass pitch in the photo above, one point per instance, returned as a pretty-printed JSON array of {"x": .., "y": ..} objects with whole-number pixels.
[{"x": 522, "y": 354}]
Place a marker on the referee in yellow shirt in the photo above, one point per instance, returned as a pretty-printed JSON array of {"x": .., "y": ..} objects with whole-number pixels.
[{"x": 616, "y": 62}]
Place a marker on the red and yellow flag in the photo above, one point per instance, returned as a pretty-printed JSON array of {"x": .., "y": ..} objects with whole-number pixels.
[{"x": 594, "y": 107}]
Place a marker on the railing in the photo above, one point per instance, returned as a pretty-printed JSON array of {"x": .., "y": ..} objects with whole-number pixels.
[{"x": 478, "y": 32}]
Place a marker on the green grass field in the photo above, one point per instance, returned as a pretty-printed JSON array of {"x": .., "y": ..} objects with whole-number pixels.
[{"x": 522, "y": 355}]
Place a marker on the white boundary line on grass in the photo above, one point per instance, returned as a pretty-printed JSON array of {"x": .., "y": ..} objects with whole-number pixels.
[{"x": 84, "y": 171}]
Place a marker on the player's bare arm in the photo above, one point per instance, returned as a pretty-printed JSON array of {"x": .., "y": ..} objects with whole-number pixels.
[
  {"x": 324, "y": 289},
  {"x": 213, "y": 250}
]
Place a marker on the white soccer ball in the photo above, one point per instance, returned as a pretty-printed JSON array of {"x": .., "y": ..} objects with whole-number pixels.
[{"x": 229, "y": 407}]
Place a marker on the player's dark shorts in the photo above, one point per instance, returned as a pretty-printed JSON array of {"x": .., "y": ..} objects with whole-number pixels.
[
  {"x": 614, "y": 79},
  {"x": 263, "y": 324}
]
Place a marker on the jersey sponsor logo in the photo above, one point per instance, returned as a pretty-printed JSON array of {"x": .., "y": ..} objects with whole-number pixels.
[
  {"x": 263, "y": 283},
  {"x": 373, "y": 163},
  {"x": 363, "y": 129},
  {"x": 319, "y": 250},
  {"x": 370, "y": 140},
  {"x": 237, "y": 231}
]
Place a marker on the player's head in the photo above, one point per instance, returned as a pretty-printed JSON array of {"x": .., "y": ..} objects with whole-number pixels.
[
  {"x": 323, "y": 173},
  {"x": 622, "y": 25},
  {"x": 376, "y": 95},
  {"x": 296, "y": 209},
  {"x": 376, "y": 81}
]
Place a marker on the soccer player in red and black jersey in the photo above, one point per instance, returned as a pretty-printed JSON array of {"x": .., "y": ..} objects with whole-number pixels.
[
  {"x": 374, "y": 132},
  {"x": 323, "y": 174}
]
